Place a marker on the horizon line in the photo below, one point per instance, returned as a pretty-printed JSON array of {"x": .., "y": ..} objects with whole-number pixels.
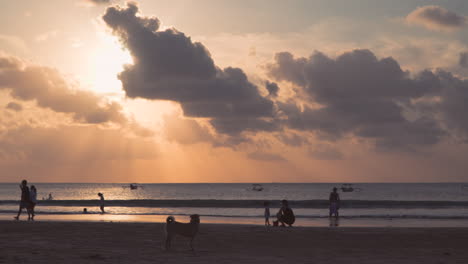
[{"x": 357, "y": 182}]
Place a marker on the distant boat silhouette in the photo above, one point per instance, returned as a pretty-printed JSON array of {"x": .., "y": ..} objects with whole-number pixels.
[
  {"x": 347, "y": 187},
  {"x": 257, "y": 187},
  {"x": 132, "y": 186}
]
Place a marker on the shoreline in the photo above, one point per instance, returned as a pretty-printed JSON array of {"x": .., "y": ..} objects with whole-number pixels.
[
  {"x": 105, "y": 242},
  {"x": 253, "y": 221}
]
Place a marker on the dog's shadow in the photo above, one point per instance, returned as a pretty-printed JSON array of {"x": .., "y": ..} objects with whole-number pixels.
[{"x": 193, "y": 253}]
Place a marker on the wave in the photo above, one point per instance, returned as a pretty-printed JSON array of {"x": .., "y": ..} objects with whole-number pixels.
[{"x": 316, "y": 204}]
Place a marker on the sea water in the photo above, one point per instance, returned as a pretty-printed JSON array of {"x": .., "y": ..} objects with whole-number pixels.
[{"x": 241, "y": 203}]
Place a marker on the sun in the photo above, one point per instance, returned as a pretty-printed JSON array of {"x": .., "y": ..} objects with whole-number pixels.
[{"x": 106, "y": 61}]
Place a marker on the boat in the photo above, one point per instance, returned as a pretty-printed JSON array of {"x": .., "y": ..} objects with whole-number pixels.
[
  {"x": 347, "y": 187},
  {"x": 257, "y": 187},
  {"x": 132, "y": 186}
]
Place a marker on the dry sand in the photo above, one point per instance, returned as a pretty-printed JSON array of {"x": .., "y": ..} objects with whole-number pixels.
[{"x": 74, "y": 242}]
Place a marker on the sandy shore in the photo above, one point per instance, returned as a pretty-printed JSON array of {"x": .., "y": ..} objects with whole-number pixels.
[{"x": 91, "y": 242}]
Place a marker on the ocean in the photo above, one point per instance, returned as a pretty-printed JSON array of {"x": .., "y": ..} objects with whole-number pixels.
[{"x": 386, "y": 203}]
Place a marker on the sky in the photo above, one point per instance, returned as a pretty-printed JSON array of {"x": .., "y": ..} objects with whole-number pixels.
[{"x": 234, "y": 91}]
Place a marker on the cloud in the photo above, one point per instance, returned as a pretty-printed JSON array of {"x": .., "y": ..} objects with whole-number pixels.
[
  {"x": 272, "y": 88},
  {"x": 354, "y": 95},
  {"x": 264, "y": 156},
  {"x": 8, "y": 62},
  {"x": 453, "y": 102},
  {"x": 463, "y": 60},
  {"x": 168, "y": 65},
  {"x": 100, "y": 1},
  {"x": 292, "y": 139},
  {"x": 14, "y": 106},
  {"x": 48, "y": 88},
  {"x": 436, "y": 18},
  {"x": 359, "y": 95},
  {"x": 94, "y": 2},
  {"x": 325, "y": 152}
]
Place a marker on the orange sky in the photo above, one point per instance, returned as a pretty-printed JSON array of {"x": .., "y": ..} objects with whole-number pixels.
[{"x": 154, "y": 91}]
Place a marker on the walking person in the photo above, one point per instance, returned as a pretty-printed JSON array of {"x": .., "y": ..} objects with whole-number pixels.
[
  {"x": 334, "y": 203},
  {"x": 33, "y": 200},
  {"x": 25, "y": 199},
  {"x": 102, "y": 202},
  {"x": 266, "y": 204}
]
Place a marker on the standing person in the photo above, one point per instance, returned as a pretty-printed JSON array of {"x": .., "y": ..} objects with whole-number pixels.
[
  {"x": 285, "y": 215},
  {"x": 334, "y": 203},
  {"x": 266, "y": 204},
  {"x": 33, "y": 199},
  {"x": 102, "y": 202},
  {"x": 25, "y": 200}
]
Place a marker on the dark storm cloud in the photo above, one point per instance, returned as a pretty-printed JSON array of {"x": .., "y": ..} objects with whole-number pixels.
[
  {"x": 48, "y": 88},
  {"x": 168, "y": 65},
  {"x": 463, "y": 61},
  {"x": 359, "y": 95},
  {"x": 14, "y": 106},
  {"x": 436, "y": 17}
]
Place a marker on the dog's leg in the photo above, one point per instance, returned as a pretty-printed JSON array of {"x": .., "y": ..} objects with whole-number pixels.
[
  {"x": 191, "y": 243},
  {"x": 168, "y": 241}
]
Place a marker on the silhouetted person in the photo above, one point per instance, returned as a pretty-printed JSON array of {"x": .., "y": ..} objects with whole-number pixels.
[
  {"x": 33, "y": 199},
  {"x": 334, "y": 203},
  {"x": 85, "y": 211},
  {"x": 267, "y": 213},
  {"x": 25, "y": 200},
  {"x": 102, "y": 202},
  {"x": 285, "y": 215}
]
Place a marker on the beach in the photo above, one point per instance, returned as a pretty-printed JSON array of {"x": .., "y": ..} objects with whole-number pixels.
[{"x": 117, "y": 242}]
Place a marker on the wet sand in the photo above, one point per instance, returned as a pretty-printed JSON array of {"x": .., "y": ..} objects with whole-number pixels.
[{"x": 95, "y": 242}]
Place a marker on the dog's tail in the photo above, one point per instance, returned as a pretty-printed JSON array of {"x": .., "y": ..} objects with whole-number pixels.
[{"x": 170, "y": 219}]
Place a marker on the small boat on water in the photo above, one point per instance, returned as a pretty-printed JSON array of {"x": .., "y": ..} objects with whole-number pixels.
[
  {"x": 257, "y": 187},
  {"x": 132, "y": 186},
  {"x": 347, "y": 187}
]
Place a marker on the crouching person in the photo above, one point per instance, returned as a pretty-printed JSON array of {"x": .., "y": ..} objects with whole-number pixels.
[{"x": 285, "y": 215}]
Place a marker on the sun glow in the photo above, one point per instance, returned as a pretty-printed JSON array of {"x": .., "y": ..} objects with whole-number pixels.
[{"x": 106, "y": 62}]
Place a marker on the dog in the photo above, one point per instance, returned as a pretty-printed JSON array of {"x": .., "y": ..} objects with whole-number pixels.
[{"x": 184, "y": 229}]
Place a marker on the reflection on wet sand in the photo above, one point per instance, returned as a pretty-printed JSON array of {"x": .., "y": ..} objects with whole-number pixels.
[{"x": 334, "y": 222}]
